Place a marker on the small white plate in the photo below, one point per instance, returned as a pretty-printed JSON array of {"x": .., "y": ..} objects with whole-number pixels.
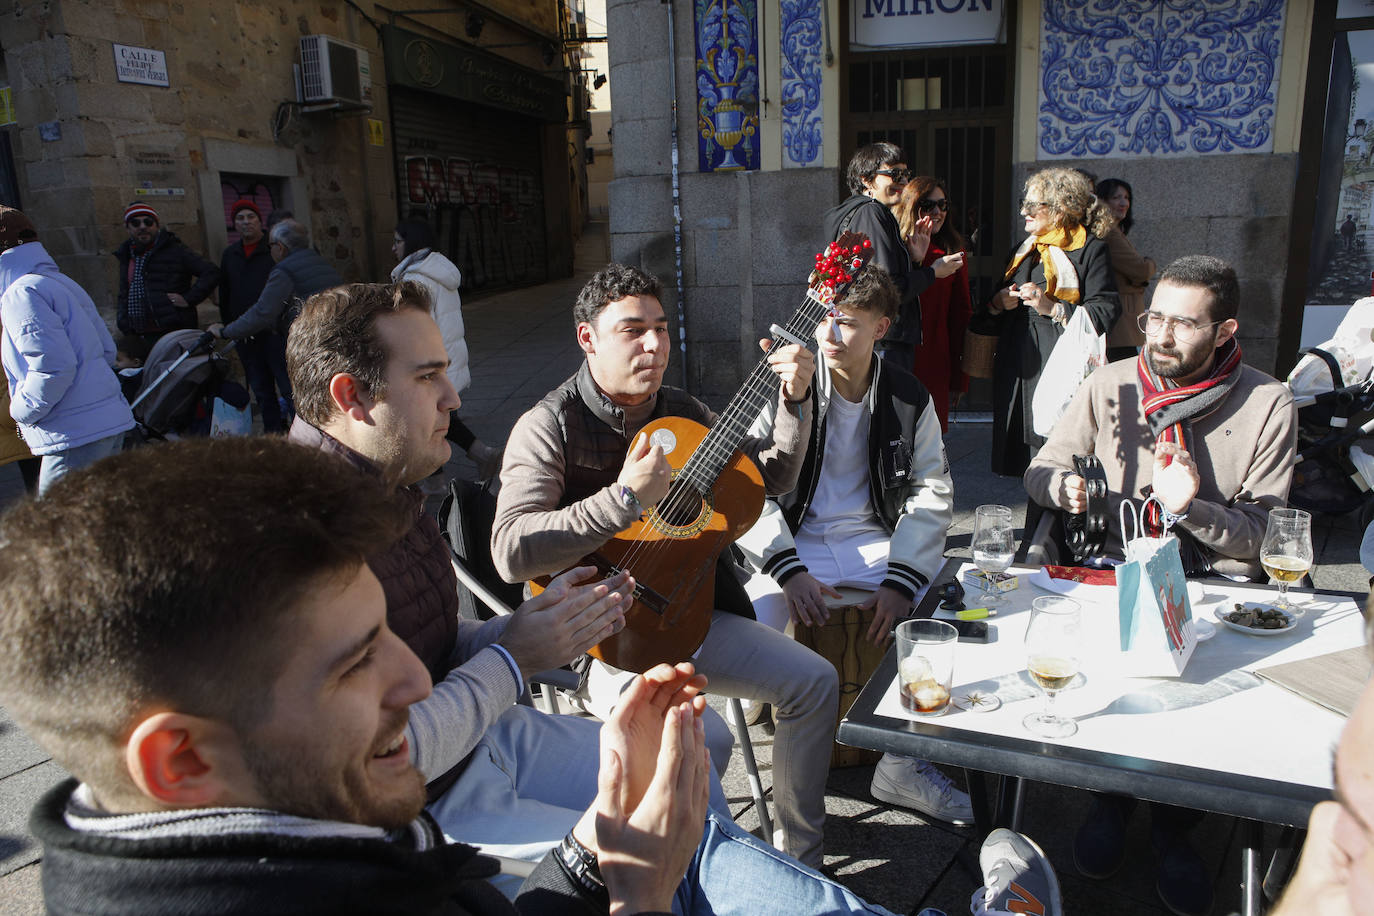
[{"x": 1221, "y": 613}]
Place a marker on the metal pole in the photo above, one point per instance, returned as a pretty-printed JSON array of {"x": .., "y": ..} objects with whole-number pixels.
[{"x": 677, "y": 198}]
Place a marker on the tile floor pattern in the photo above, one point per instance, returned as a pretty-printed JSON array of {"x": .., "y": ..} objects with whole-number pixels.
[{"x": 522, "y": 346}]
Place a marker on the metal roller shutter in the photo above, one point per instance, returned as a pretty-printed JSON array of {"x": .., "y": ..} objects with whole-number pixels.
[{"x": 475, "y": 174}]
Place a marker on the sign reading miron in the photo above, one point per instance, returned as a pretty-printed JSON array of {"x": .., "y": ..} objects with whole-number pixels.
[{"x": 140, "y": 65}]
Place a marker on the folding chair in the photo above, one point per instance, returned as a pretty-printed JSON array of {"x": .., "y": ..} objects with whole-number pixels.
[{"x": 465, "y": 520}]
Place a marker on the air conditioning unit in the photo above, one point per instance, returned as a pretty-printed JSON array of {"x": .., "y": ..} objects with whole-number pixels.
[{"x": 334, "y": 74}]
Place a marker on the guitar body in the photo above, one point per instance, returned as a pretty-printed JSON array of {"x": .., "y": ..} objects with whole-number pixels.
[{"x": 672, "y": 553}]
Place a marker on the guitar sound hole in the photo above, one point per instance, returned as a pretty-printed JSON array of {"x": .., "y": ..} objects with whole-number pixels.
[{"x": 682, "y": 511}]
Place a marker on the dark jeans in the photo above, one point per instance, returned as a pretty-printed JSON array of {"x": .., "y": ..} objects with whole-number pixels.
[{"x": 264, "y": 366}]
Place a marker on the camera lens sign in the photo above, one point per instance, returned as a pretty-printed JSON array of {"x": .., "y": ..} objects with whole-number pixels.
[{"x": 140, "y": 65}]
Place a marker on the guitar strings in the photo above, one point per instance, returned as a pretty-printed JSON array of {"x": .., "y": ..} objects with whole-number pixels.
[{"x": 694, "y": 480}]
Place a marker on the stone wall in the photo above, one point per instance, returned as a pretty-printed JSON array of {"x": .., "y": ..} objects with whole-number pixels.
[
  {"x": 230, "y": 69},
  {"x": 1237, "y": 208},
  {"x": 748, "y": 238}
]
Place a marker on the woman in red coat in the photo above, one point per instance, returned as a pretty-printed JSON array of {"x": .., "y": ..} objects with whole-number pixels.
[{"x": 945, "y": 308}]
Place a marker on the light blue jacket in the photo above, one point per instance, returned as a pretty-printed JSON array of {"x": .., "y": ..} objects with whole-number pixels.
[{"x": 58, "y": 356}]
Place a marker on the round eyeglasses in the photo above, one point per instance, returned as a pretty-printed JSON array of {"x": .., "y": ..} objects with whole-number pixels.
[{"x": 1152, "y": 323}]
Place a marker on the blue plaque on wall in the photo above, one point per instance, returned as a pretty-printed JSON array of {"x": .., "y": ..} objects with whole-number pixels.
[{"x": 727, "y": 85}]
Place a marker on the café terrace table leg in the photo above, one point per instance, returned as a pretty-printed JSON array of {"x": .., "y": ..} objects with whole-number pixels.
[
  {"x": 1251, "y": 889},
  {"x": 1284, "y": 860},
  {"x": 977, "y": 782},
  {"x": 1009, "y": 802}
]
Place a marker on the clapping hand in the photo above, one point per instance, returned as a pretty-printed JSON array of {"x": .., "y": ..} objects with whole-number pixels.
[
  {"x": 1176, "y": 479},
  {"x": 653, "y": 787}
]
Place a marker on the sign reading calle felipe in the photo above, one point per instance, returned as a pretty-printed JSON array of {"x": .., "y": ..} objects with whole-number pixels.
[{"x": 923, "y": 23}]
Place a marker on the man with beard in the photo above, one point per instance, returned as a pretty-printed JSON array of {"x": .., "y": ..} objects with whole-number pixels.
[
  {"x": 1213, "y": 440},
  {"x": 156, "y": 289}
]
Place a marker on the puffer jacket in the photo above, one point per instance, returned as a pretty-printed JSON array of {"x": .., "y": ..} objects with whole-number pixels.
[
  {"x": 299, "y": 275},
  {"x": 58, "y": 356},
  {"x": 168, "y": 268},
  {"x": 442, "y": 278}
]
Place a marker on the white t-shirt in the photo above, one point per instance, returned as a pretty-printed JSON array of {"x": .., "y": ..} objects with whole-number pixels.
[{"x": 840, "y": 525}]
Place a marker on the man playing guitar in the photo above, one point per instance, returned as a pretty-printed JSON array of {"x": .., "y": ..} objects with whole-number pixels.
[{"x": 578, "y": 471}]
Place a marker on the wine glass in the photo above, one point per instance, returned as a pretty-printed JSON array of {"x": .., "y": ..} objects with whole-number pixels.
[
  {"x": 1053, "y": 646},
  {"x": 1286, "y": 553},
  {"x": 993, "y": 544}
]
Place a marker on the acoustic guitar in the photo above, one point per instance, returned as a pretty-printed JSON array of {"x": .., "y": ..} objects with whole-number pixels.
[{"x": 716, "y": 495}]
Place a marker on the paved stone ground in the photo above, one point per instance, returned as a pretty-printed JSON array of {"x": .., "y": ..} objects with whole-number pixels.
[{"x": 522, "y": 346}]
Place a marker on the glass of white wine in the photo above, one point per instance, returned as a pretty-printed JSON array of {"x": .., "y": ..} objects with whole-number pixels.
[
  {"x": 994, "y": 544},
  {"x": 1286, "y": 552},
  {"x": 1054, "y": 642}
]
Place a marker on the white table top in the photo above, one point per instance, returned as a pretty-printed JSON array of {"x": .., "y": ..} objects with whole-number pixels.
[{"x": 1216, "y": 716}]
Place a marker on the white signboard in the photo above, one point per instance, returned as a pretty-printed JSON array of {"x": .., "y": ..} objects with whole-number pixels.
[
  {"x": 924, "y": 23},
  {"x": 140, "y": 65}
]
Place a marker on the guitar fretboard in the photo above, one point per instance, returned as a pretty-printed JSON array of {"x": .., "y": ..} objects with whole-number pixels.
[{"x": 760, "y": 388}]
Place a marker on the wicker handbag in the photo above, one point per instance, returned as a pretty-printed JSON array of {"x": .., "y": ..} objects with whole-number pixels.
[{"x": 979, "y": 350}]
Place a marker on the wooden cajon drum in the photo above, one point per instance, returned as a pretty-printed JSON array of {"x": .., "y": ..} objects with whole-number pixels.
[{"x": 842, "y": 642}]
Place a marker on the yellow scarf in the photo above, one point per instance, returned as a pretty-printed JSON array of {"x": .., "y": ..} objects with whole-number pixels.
[{"x": 1061, "y": 278}]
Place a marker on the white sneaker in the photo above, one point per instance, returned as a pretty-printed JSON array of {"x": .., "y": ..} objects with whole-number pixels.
[{"x": 918, "y": 785}]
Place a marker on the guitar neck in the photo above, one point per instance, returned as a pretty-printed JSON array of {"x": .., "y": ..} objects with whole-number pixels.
[{"x": 760, "y": 388}]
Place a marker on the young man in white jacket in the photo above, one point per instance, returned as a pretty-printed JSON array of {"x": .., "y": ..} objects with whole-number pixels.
[{"x": 871, "y": 509}]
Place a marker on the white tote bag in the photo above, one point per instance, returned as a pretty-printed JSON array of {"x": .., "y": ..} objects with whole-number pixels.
[{"x": 1079, "y": 350}]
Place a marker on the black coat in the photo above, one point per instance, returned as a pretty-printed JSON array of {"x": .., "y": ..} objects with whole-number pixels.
[
  {"x": 241, "y": 278},
  {"x": 169, "y": 268},
  {"x": 1025, "y": 339},
  {"x": 877, "y": 222}
]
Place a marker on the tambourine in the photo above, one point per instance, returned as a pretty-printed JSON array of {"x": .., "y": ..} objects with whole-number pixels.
[{"x": 1086, "y": 532}]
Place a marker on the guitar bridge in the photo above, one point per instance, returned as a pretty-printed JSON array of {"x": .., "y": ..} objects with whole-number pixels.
[{"x": 641, "y": 593}]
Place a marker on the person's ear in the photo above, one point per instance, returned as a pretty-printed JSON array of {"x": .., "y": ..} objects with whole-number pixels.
[
  {"x": 586, "y": 337},
  {"x": 881, "y": 328},
  {"x": 1226, "y": 330},
  {"x": 351, "y": 397},
  {"x": 183, "y": 761}
]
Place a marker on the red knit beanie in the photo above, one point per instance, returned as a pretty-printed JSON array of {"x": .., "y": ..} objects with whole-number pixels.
[{"x": 138, "y": 208}]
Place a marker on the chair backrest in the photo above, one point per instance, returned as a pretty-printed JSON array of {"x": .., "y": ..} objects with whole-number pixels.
[{"x": 465, "y": 518}]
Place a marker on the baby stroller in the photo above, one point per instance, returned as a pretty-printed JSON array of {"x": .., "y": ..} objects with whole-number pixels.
[
  {"x": 1333, "y": 389},
  {"x": 174, "y": 393}
]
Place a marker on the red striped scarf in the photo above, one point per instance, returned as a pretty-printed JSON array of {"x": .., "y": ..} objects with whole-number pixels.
[{"x": 1171, "y": 410}]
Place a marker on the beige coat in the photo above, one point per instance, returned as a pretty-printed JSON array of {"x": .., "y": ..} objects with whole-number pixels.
[{"x": 1133, "y": 274}]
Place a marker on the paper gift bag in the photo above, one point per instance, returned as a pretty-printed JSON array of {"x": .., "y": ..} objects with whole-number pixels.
[
  {"x": 1157, "y": 631},
  {"x": 228, "y": 420}
]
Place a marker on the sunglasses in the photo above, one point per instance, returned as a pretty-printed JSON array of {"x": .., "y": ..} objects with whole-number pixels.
[
  {"x": 1029, "y": 207},
  {"x": 140, "y": 221},
  {"x": 900, "y": 176},
  {"x": 926, "y": 205}
]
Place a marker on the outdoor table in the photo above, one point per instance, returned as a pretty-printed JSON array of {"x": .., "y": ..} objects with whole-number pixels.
[{"x": 1217, "y": 738}]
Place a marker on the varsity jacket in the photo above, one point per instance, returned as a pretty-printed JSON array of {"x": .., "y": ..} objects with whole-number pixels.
[
  {"x": 908, "y": 476},
  {"x": 255, "y": 863}
]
